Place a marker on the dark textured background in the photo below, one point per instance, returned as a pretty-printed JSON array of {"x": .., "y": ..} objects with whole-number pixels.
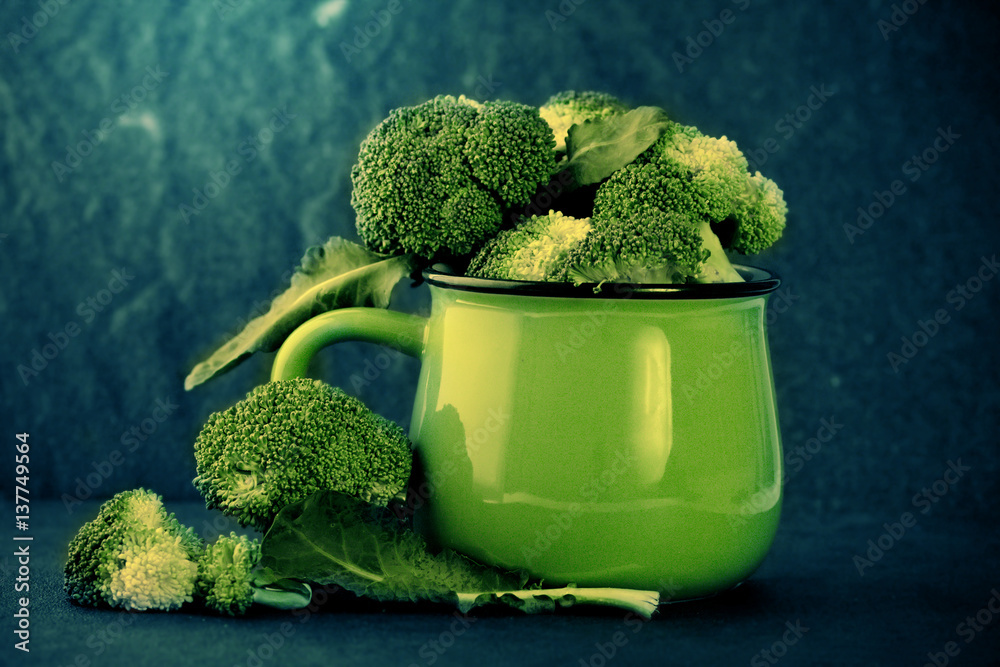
[{"x": 228, "y": 66}]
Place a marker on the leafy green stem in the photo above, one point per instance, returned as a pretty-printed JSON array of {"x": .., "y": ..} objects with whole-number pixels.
[{"x": 643, "y": 603}]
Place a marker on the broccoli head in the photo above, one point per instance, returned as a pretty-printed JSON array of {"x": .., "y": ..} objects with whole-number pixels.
[
  {"x": 666, "y": 217},
  {"x": 434, "y": 180},
  {"x": 290, "y": 438},
  {"x": 534, "y": 250},
  {"x": 760, "y": 215},
  {"x": 568, "y": 108},
  {"x": 133, "y": 555},
  {"x": 646, "y": 245},
  {"x": 705, "y": 179},
  {"x": 224, "y": 574}
]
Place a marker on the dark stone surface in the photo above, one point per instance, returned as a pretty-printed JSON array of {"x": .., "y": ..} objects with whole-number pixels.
[
  {"x": 201, "y": 77},
  {"x": 912, "y": 600}
]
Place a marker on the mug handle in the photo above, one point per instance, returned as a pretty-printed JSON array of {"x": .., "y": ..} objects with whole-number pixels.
[{"x": 399, "y": 331}]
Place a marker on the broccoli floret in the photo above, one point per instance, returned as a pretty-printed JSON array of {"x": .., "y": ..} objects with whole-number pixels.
[
  {"x": 705, "y": 180},
  {"x": 290, "y": 438},
  {"x": 134, "y": 555},
  {"x": 434, "y": 180},
  {"x": 568, "y": 108},
  {"x": 534, "y": 250},
  {"x": 228, "y": 574},
  {"x": 760, "y": 215},
  {"x": 224, "y": 574},
  {"x": 700, "y": 176},
  {"x": 648, "y": 246},
  {"x": 666, "y": 217}
]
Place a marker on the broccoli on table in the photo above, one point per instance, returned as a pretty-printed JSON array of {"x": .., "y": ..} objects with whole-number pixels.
[
  {"x": 224, "y": 574},
  {"x": 568, "y": 108},
  {"x": 133, "y": 555},
  {"x": 290, "y": 438},
  {"x": 434, "y": 180}
]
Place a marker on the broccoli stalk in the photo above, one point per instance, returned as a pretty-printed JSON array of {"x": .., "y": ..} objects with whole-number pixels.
[
  {"x": 643, "y": 603},
  {"x": 717, "y": 268},
  {"x": 290, "y": 438}
]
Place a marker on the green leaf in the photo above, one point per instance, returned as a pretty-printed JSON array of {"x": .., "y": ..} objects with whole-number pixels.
[
  {"x": 333, "y": 538},
  {"x": 338, "y": 274},
  {"x": 598, "y": 148}
]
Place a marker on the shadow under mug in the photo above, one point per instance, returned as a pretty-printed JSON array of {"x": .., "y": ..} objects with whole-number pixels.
[{"x": 626, "y": 437}]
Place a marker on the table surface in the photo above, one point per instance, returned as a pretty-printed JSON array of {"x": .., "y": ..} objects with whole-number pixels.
[{"x": 928, "y": 594}]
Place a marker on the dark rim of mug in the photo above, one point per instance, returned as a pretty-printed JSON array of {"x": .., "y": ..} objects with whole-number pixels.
[{"x": 758, "y": 282}]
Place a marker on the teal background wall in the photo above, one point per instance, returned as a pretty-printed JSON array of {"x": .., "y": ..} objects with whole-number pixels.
[{"x": 114, "y": 116}]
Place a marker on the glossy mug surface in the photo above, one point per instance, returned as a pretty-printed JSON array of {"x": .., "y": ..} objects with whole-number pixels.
[{"x": 624, "y": 438}]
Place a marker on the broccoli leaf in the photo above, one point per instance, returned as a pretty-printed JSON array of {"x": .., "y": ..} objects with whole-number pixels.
[
  {"x": 598, "y": 148},
  {"x": 338, "y": 274},
  {"x": 335, "y": 539}
]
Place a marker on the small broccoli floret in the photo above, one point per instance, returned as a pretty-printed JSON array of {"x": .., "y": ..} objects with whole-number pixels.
[
  {"x": 133, "y": 555},
  {"x": 534, "y": 250},
  {"x": 510, "y": 151},
  {"x": 760, "y": 216},
  {"x": 290, "y": 438},
  {"x": 568, "y": 108},
  {"x": 694, "y": 175},
  {"x": 705, "y": 180},
  {"x": 648, "y": 245},
  {"x": 224, "y": 574},
  {"x": 434, "y": 179}
]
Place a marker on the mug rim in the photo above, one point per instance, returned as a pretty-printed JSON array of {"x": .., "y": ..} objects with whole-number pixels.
[{"x": 758, "y": 283}]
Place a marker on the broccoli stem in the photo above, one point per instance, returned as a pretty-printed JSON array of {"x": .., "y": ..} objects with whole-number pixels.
[
  {"x": 717, "y": 268},
  {"x": 290, "y": 595},
  {"x": 643, "y": 603}
]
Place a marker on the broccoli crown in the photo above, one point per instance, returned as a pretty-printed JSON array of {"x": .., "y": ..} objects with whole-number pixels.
[
  {"x": 434, "y": 179},
  {"x": 760, "y": 214},
  {"x": 290, "y": 438},
  {"x": 698, "y": 176},
  {"x": 646, "y": 245},
  {"x": 705, "y": 178},
  {"x": 133, "y": 555},
  {"x": 534, "y": 250},
  {"x": 568, "y": 108},
  {"x": 224, "y": 574}
]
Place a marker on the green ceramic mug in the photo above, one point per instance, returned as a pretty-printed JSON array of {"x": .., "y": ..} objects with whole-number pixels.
[{"x": 626, "y": 437}]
